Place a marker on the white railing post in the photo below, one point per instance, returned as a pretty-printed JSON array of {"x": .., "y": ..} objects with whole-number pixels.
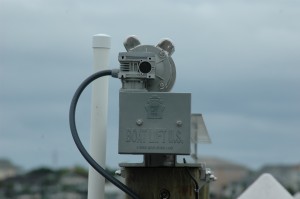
[{"x": 101, "y": 48}]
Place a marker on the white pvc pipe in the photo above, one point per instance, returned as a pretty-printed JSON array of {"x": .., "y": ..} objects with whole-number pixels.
[{"x": 101, "y": 48}]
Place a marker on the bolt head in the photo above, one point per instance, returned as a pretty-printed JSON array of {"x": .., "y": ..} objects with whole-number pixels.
[
  {"x": 164, "y": 194},
  {"x": 139, "y": 122},
  {"x": 162, "y": 54},
  {"x": 161, "y": 85},
  {"x": 179, "y": 123}
]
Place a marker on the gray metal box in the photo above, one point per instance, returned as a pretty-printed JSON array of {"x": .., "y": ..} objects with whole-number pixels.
[{"x": 154, "y": 122}]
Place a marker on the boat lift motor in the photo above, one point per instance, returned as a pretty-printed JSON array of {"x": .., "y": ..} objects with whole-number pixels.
[{"x": 153, "y": 121}]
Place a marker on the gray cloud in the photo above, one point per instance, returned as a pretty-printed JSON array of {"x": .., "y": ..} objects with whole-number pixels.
[{"x": 239, "y": 59}]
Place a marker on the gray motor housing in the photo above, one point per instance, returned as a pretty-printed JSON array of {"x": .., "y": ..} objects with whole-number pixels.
[{"x": 154, "y": 123}]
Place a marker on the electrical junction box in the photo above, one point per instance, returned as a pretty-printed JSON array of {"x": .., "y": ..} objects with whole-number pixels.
[{"x": 154, "y": 123}]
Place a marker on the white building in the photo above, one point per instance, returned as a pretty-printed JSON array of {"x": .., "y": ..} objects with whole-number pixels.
[{"x": 7, "y": 169}]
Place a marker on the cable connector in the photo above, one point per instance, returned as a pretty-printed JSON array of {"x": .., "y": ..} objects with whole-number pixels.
[{"x": 115, "y": 73}]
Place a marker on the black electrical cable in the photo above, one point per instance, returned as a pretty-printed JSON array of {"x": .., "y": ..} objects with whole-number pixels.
[
  {"x": 195, "y": 181},
  {"x": 78, "y": 142}
]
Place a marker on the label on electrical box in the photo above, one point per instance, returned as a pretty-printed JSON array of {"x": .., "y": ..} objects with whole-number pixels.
[{"x": 154, "y": 122}]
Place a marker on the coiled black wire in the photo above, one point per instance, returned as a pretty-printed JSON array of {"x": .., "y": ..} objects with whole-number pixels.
[{"x": 78, "y": 142}]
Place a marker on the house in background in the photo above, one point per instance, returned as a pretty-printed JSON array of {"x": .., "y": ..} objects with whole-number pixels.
[{"x": 7, "y": 169}]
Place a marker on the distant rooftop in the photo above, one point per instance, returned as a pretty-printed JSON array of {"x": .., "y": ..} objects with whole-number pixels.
[
  {"x": 7, "y": 169},
  {"x": 266, "y": 186},
  {"x": 5, "y": 163},
  {"x": 215, "y": 162}
]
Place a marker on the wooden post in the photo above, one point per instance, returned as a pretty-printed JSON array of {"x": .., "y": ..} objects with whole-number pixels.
[
  {"x": 204, "y": 192},
  {"x": 163, "y": 182}
]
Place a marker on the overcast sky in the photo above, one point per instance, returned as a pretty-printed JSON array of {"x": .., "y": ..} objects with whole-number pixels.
[{"x": 239, "y": 59}]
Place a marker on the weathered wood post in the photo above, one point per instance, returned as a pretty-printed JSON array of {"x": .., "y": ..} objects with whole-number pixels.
[{"x": 163, "y": 182}]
